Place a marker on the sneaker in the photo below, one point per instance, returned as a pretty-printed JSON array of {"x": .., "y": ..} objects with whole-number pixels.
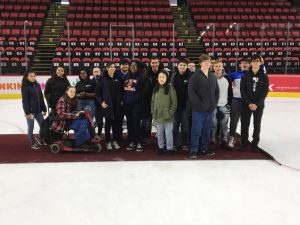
[
  {"x": 98, "y": 137},
  {"x": 139, "y": 147},
  {"x": 35, "y": 146},
  {"x": 109, "y": 146},
  {"x": 115, "y": 145},
  {"x": 225, "y": 145},
  {"x": 256, "y": 149},
  {"x": 170, "y": 153},
  {"x": 243, "y": 149},
  {"x": 193, "y": 155},
  {"x": 208, "y": 153},
  {"x": 160, "y": 151},
  {"x": 185, "y": 148},
  {"x": 146, "y": 141},
  {"x": 38, "y": 140},
  {"x": 213, "y": 141},
  {"x": 131, "y": 146},
  {"x": 231, "y": 142}
]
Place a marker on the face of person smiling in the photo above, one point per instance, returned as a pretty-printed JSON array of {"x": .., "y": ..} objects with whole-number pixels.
[
  {"x": 60, "y": 71},
  {"x": 96, "y": 72},
  {"x": 31, "y": 77},
  {"x": 71, "y": 92},
  {"x": 83, "y": 75},
  {"x": 162, "y": 78},
  {"x": 133, "y": 67},
  {"x": 111, "y": 70}
]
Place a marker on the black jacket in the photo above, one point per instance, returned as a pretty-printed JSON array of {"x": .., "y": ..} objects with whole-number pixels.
[
  {"x": 142, "y": 99},
  {"x": 103, "y": 94},
  {"x": 55, "y": 88},
  {"x": 180, "y": 83},
  {"x": 87, "y": 86},
  {"x": 203, "y": 92},
  {"x": 32, "y": 98},
  {"x": 248, "y": 94}
]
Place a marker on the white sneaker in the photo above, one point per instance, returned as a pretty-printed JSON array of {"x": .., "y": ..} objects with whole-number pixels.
[
  {"x": 115, "y": 145},
  {"x": 231, "y": 142},
  {"x": 108, "y": 146},
  {"x": 139, "y": 147}
]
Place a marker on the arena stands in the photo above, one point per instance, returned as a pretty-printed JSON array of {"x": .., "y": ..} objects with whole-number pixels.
[
  {"x": 262, "y": 28},
  {"x": 18, "y": 18},
  {"x": 102, "y": 30}
]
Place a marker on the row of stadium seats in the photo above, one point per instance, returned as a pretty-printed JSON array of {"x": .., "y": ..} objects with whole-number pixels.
[
  {"x": 251, "y": 25},
  {"x": 24, "y": 7},
  {"x": 14, "y": 64},
  {"x": 240, "y": 9},
  {"x": 253, "y": 33},
  {"x": 20, "y": 41},
  {"x": 121, "y": 33},
  {"x": 247, "y": 52},
  {"x": 17, "y": 52},
  {"x": 122, "y": 42},
  {"x": 244, "y": 17},
  {"x": 223, "y": 3},
  {"x": 121, "y": 9},
  {"x": 121, "y": 52},
  {"x": 144, "y": 3},
  {"x": 19, "y": 32},
  {"x": 103, "y": 24},
  {"x": 102, "y": 62},
  {"x": 251, "y": 42},
  {"x": 118, "y": 17}
]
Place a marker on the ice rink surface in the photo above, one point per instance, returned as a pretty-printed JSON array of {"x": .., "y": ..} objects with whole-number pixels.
[{"x": 212, "y": 192}]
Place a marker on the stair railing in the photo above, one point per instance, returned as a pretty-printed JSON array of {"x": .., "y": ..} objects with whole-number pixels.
[
  {"x": 25, "y": 42},
  {"x": 69, "y": 48},
  {"x": 288, "y": 27}
]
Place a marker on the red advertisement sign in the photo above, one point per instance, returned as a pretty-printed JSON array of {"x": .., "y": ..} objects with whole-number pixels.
[{"x": 284, "y": 83}]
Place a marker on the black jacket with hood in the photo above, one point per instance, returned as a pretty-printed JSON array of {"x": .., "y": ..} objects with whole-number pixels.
[
  {"x": 55, "y": 88},
  {"x": 32, "y": 98},
  {"x": 258, "y": 94}
]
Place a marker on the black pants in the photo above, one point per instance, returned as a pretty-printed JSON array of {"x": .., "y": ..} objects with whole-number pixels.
[
  {"x": 134, "y": 129},
  {"x": 120, "y": 119},
  {"x": 99, "y": 120},
  {"x": 111, "y": 123},
  {"x": 146, "y": 127},
  {"x": 245, "y": 123}
]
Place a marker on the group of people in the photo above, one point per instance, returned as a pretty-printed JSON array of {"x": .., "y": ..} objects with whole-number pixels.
[{"x": 188, "y": 107}]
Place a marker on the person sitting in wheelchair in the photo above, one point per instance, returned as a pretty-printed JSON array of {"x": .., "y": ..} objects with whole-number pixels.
[{"x": 71, "y": 119}]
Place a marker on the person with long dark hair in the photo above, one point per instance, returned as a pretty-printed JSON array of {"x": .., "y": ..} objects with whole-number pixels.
[
  {"x": 163, "y": 108},
  {"x": 33, "y": 105},
  {"x": 109, "y": 94},
  {"x": 69, "y": 118},
  {"x": 55, "y": 88}
]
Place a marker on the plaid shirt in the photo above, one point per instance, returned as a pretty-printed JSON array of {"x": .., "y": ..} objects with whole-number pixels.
[{"x": 63, "y": 110}]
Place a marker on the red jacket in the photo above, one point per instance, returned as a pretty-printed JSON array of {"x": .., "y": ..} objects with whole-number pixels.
[{"x": 63, "y": 110}]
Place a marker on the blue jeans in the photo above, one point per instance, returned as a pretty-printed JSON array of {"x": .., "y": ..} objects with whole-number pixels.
[
  {"x": 87, "y": 105},
  {"x": 201, "y": 125},
  {"x": 165, "y": 129},
  {"x": 223, "y": 121},
  {"x": 30, "y": 123}
]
